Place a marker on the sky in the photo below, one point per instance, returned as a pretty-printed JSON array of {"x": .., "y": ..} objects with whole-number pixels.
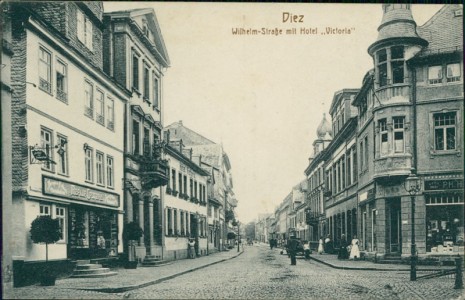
[{"x": 262, "y": 96}]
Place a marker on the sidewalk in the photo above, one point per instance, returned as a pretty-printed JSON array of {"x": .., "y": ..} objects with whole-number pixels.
[
  {"x": 129, "y": 279},
  {"x": 332, "y": 261}
]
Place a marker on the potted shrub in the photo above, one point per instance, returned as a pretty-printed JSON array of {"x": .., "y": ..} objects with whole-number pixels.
[
  {"x": 131, "y": 233},
  {"x": 46, "y": 230}
]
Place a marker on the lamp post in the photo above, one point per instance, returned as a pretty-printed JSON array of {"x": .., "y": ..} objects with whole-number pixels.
[
  {"x": 412, "y": 186},
  {"x": 238, "y": 236}
]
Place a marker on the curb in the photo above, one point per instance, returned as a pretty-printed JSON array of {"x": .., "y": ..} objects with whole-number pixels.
[
  {"x": 357, "y": 268},
  {"x": 145, "y": 284}
]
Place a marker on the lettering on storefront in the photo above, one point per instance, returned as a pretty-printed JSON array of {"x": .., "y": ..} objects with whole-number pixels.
[
  {"x": 443, "y": 184},
  {"x": 60, "y": 188}
]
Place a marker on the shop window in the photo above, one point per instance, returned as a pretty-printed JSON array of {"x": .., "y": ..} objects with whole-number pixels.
[
  {"x": 110, "y": 114},
  {"x": 45, "y": 70},
  {"x": 89, "y": 99},
  {"x": 46, "y": 140},
  {"x": 62, "y": 155},
  {"x": 89, "y": 164},
  {"x": 44, "y": 210},
  {"x": 398, "y": 134},
  {"x": 99, "y": 168},
  {"x": 435, "y": 74},
  {"x": 99, "y": 107},
  {"x": 135, "y": 137},
  {"x": 445, "y": 131},
  {"x": 62, "y": 81},
  {"x": 453, "y": 72},
  {"x": 61, "y": 217},
  {"x": 110, "y": 172}
]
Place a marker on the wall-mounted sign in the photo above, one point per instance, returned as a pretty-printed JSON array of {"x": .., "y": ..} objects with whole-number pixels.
[
  {"x": 368, "y": 195},
  {"x": 443, "y": 184},
  {"x": 60, "y": 188}
]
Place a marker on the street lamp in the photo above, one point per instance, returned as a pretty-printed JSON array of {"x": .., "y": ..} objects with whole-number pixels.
[
  {"x": 238, "y": 236},
  {"x": 413, "y": 186}
]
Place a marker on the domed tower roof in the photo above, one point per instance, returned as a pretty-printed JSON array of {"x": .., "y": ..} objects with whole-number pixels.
[
  {"x": 324, "y": 128},
  {"x": 397, "y": 23}
]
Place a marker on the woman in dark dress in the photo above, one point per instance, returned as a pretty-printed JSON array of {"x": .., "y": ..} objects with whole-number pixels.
[{"x": 343, "y": 253}]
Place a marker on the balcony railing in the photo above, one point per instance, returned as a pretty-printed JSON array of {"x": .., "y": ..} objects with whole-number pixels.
[{"x": 154, "y": 172}]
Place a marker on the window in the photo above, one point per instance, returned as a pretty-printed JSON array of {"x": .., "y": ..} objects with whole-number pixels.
[
  {"x": 62, "y": 155},
  {"x": 61, "y": 217},
  {"x": 435, "y": 74},
  {"x": 99, "y": 167},
  {"x": 89, "y": 164},
  {"x": 382, "y": 67},
  {"x": 349, "y": 170},
  {"x": 191, "y": 188},
  {"x": 185, "y": 184},
  {"x": 89, "y": 98},
  {"x": 155, "y": 92},
  {"x": 362, "y": 160},
  {"x": 181, "y": 217},
  {"x": 354, "y": 168},
  {"x": 445, "y": 131},
  {"x": 383, "y": 134},
  {"x": 47, "y": 146},
  {"x": 195, "y": 190},
  {"x": 146, "y": 84},
  {"x": 61, "y": 77},
  {"x": 181, "y": 191},
  {"x": 110, "y": 172},
  {"x": 135, "y": 137},
  {"x": 45, "y": 70},
  {"x": 44, "y": 210},
  {"x": 135, "y": 71},
  {"x": 397, "y": 64},
  {"x": 110, "y": 114},
  {"x": 173, "y": 179},
  {"x": 175, "y": 221},
  {"x": 398, "y": 134},
  {"x": 169, "y": 220},
  {"x": 453, "y": 72},
  {"x": 366, "y": 152},
  {"x": 99, "y": 108},
  {"x": 146, "y": 143},
  {"x": 84, "y": 29}
]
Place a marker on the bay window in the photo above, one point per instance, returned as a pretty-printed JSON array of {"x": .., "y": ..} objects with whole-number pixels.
[
  {"x": 383, "y": 136},
  {"x": 398, "y": 134}
]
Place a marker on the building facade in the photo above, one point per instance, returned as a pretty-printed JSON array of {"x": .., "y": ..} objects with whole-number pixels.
[
  {"x": 59, "y": 168},
  {"x": 136, "y": 57},
  {"x": 185, "y": 206}
]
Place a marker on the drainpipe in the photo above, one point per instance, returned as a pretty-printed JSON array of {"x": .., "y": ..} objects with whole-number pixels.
[{"x": 414, "y": 129}]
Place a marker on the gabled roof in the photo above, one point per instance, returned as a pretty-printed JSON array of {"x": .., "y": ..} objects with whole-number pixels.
[
  {"x": 160, "y": 47},
  {"x": 188, "y": 134},
  {"x": 338, "y": 96},
  {"x": 443, "y": 31}
]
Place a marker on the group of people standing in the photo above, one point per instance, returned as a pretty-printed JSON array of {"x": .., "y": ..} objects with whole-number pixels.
[{"x": 346, "y": 250}]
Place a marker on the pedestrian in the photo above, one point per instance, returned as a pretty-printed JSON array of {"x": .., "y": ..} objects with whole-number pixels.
[
  {"x": 292, "y": 249},
  {"x": 321, "y": 248},
  {"x": 343, "y": 253},
  {"x": 328, "y": 245},
  {"x": 190, "y": 248},
  {"x": 307, "y": 250},
  {"x": 354, "y": 250}
]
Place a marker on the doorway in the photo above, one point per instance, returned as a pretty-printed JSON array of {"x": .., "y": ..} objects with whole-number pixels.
[{"x": 395, "y": 228}]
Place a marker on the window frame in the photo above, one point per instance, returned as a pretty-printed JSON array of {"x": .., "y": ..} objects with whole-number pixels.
[
  {"x": 89, "y": 99},
  {"x": 100, "y": 168},
  {"x": 64, "y": 159},
  {"x": 47, "y": 166},
  {"x": 383, "y": 134},
  {"x": 61, "y": 94},
  {"x": 89, "y": 164},
  {"x": 100, "y": 118},
  {"x": 444, "y": 128},
  {"x": 110, "y": 168},
  {"x": 45, "y": 84},
  {"x": 135, "y": 72},
  {"x": 110, "y": 116},
  {"x": 398, "y": 130}
]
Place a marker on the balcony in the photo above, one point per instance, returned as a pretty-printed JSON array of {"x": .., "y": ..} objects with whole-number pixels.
[
  {"x": 154, "y": 172},
  {"x": 395, "y": 93}
]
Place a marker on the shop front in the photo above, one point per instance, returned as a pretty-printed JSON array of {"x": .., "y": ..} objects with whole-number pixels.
[
  {"x": 444, "y": 216},
  {"x": 92, "y": 221}
]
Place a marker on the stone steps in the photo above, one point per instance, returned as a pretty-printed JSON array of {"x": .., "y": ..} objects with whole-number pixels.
[
  {"x": 153, "y": 261},
  {"x": 91, "y": 271}
]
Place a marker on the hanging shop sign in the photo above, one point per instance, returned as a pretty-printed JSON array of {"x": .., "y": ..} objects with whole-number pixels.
[{"x": 61, "y": 188}]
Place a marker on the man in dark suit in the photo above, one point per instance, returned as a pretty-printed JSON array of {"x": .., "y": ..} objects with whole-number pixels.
[{"x": 292, "y": 249}]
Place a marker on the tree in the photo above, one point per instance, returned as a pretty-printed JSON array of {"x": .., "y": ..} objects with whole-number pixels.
[{"x": 46, "y": 230}]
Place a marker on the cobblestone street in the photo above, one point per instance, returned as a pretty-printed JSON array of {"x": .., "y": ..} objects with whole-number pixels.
[{"x": 261, "y": 273}]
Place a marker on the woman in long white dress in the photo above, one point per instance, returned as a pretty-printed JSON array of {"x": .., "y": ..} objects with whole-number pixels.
[
  {"x": 354, "y": 250},
  {"x": 320, "y": 246}
]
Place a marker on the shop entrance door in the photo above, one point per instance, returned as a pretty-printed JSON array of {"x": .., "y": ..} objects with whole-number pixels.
[{"x": 395, "y": 226}]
